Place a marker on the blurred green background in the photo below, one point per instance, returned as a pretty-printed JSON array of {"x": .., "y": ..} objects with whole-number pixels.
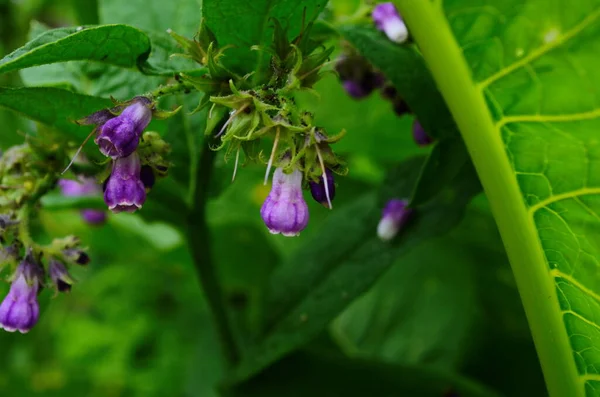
[{"x": 136, "y": 323}]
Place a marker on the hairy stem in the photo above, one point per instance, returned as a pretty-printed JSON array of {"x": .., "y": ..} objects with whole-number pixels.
[
  {"x": 172, "y": 89},
  {"x": 199, "y": 244}
]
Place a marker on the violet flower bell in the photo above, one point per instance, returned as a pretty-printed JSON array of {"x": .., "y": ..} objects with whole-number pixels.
[
  {"x": 60, "y": 276},
  {"x": 85, "y": 186},
  {"x": 388, "y": 20},
  {"x": 20, "y": 310},
  {"x": 285, "y": 211},
  {"x": 394, "y": 217},
  {"x": 124, "y": 190},
  {"x": 120, "y": 136},
  {"x": 420, "y": 135},
  {"x": 323, "y": 191}
]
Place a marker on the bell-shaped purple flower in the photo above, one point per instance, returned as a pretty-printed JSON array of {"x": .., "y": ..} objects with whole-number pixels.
[
  {"x": 394, "y": 216},
  {"x": 124, "y": 190},
  {"x": 323, "y": 191},
  {"x": 420, "y": 135},
  {"x": 85, "y": 186},
  {"x": 285, "y": 211},
  {"x": 120, "y": 136},
  {"x": 60, "y": 276},
  {"x": 388, "y": 20},
  {"x": 20, "y": 310}
]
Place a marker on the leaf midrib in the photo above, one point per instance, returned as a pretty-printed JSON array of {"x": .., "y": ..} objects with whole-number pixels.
[{"x": 519, "y": 234}]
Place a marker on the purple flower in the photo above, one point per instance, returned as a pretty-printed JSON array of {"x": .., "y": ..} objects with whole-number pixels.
[
  {"x": 60, "y": 276},
  {"x": 394, "y": 216},
  {"x": 419, "y": 134},
  {"x": 85, "y": 186},
  {"x": 124, "y": 189},
  {"x": 356, "y": 90},
  {"x": 285, "y": 211},
  {"x": 120, "y": 136},
  {"x": 20, "y": 309},
  {"x": 388, "y": 20},
  {"x": 323, "y": 191}
]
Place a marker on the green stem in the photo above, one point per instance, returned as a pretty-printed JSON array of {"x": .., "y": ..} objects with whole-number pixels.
[
  {"x": 171, "y": 89},
  {"x": 199, "y": 244},
  {"x": 433, "y": 34}
]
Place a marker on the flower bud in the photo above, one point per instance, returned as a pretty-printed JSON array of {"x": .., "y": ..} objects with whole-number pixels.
[
  {"x": 85, "y": 186},
  {"x": 60, "y": 276},
  {"x": 419, "y": 134},
  {"x": 77, "y": 256},
  {"x": 321, "y": 194},
  {"x": 394, "y": 216},
  {"x": 124, "y": 189},
  {"x": 20, "y": 309},
  {"x": 285, "y": 211},
  {"x": 388, "y": 20},
  {"x": 120, "y": 136}
]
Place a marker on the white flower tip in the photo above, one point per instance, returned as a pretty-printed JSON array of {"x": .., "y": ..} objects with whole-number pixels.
[
  {"x": 387, "y": 229},
  {"x": 396, "y": 31}
]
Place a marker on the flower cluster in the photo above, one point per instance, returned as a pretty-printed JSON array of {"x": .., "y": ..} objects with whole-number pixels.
[{"x": 135, "y": 156}]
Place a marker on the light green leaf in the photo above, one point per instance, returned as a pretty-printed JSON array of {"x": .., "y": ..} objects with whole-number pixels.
[
  {"x": 243, "y": 23},
  {"x": 118, "y": 45},
  {"x": 54, "y": 107},
  {"x": 333, "y": 268},
  {"x": 521, "y": 79}
]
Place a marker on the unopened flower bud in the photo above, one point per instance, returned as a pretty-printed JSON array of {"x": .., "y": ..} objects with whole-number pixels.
[
  {"x": 394, "y": 216},
  {"x": 77, "y": 256},
  {"x": 388, "y": 20},
  {"x": 60, "y": 276},
  {"x": 285, "y": 211},
  {"x": 323, "y": 191},
  {"x": 120, "y": 136},
  {"x": 124, "y": 189},
  {"x": 421, "y": 137},
  {"x": 20, "y": 309}
]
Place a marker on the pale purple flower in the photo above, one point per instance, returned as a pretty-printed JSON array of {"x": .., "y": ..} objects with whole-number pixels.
[
  {"x": 388, "y": 20},
  {"x": 60, "y": 276},
  {"x": 285, "y": 211},
  {"x": 323, "y": 191},
  {"x": 394, "y": 216},
  {"x": 84, "y": 186},
  {"x": 124, "y": 190},
  {"x": 420, "y": 135},
  {"x": 20, "y": 309},
  {"x": 120, "y": 136}
]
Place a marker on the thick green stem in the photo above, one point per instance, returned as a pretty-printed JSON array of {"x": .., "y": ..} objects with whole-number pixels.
[
  {"x": 199, "y": 244},
  {"x": 431, "y": 31}
]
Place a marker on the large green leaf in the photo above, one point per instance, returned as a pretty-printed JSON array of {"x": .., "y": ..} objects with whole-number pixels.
[
  {"x": 243, "y": 23},
  {"x": 521, "y": 79},
  {"x": 333, "y": 268},
  {"x": 54, "y": 107},
  {"x": 119, "y": 45}
]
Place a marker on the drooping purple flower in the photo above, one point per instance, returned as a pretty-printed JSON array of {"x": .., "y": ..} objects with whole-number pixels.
[
  {"x": 420, "y": 135},
  {"x": 60, "y": 276},
  {"x": 120, "y": 136},
  {"x": 323, "y": 191},
  {"x": 85, "y": 186},
  {"x": 285, "y": 211},
  {"x": 388, "y": 20},
  {"x": 394, "y": 216},
  {"x": 20, "y": 309},
  {"x": 124, "y": 190}
]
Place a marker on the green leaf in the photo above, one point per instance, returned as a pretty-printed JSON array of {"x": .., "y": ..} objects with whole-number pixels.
[
  {"x": 118, "y": 45},
  {"x": 333, "y": 268},
  {"x": 305, "y": 374},
  {"x": 244, "y": 23},
  {"x": 520, "y": 79},
  {"x": 54, "y": 107}
]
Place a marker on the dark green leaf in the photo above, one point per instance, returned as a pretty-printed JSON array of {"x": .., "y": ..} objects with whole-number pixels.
[
  {"x": 119, "y": 45},
  {"x": 306, "y": 374},
  {"x": 54, "y": 107},
  {"x": 243, "y": 23},
  {"x": 335, "y": 267}
]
